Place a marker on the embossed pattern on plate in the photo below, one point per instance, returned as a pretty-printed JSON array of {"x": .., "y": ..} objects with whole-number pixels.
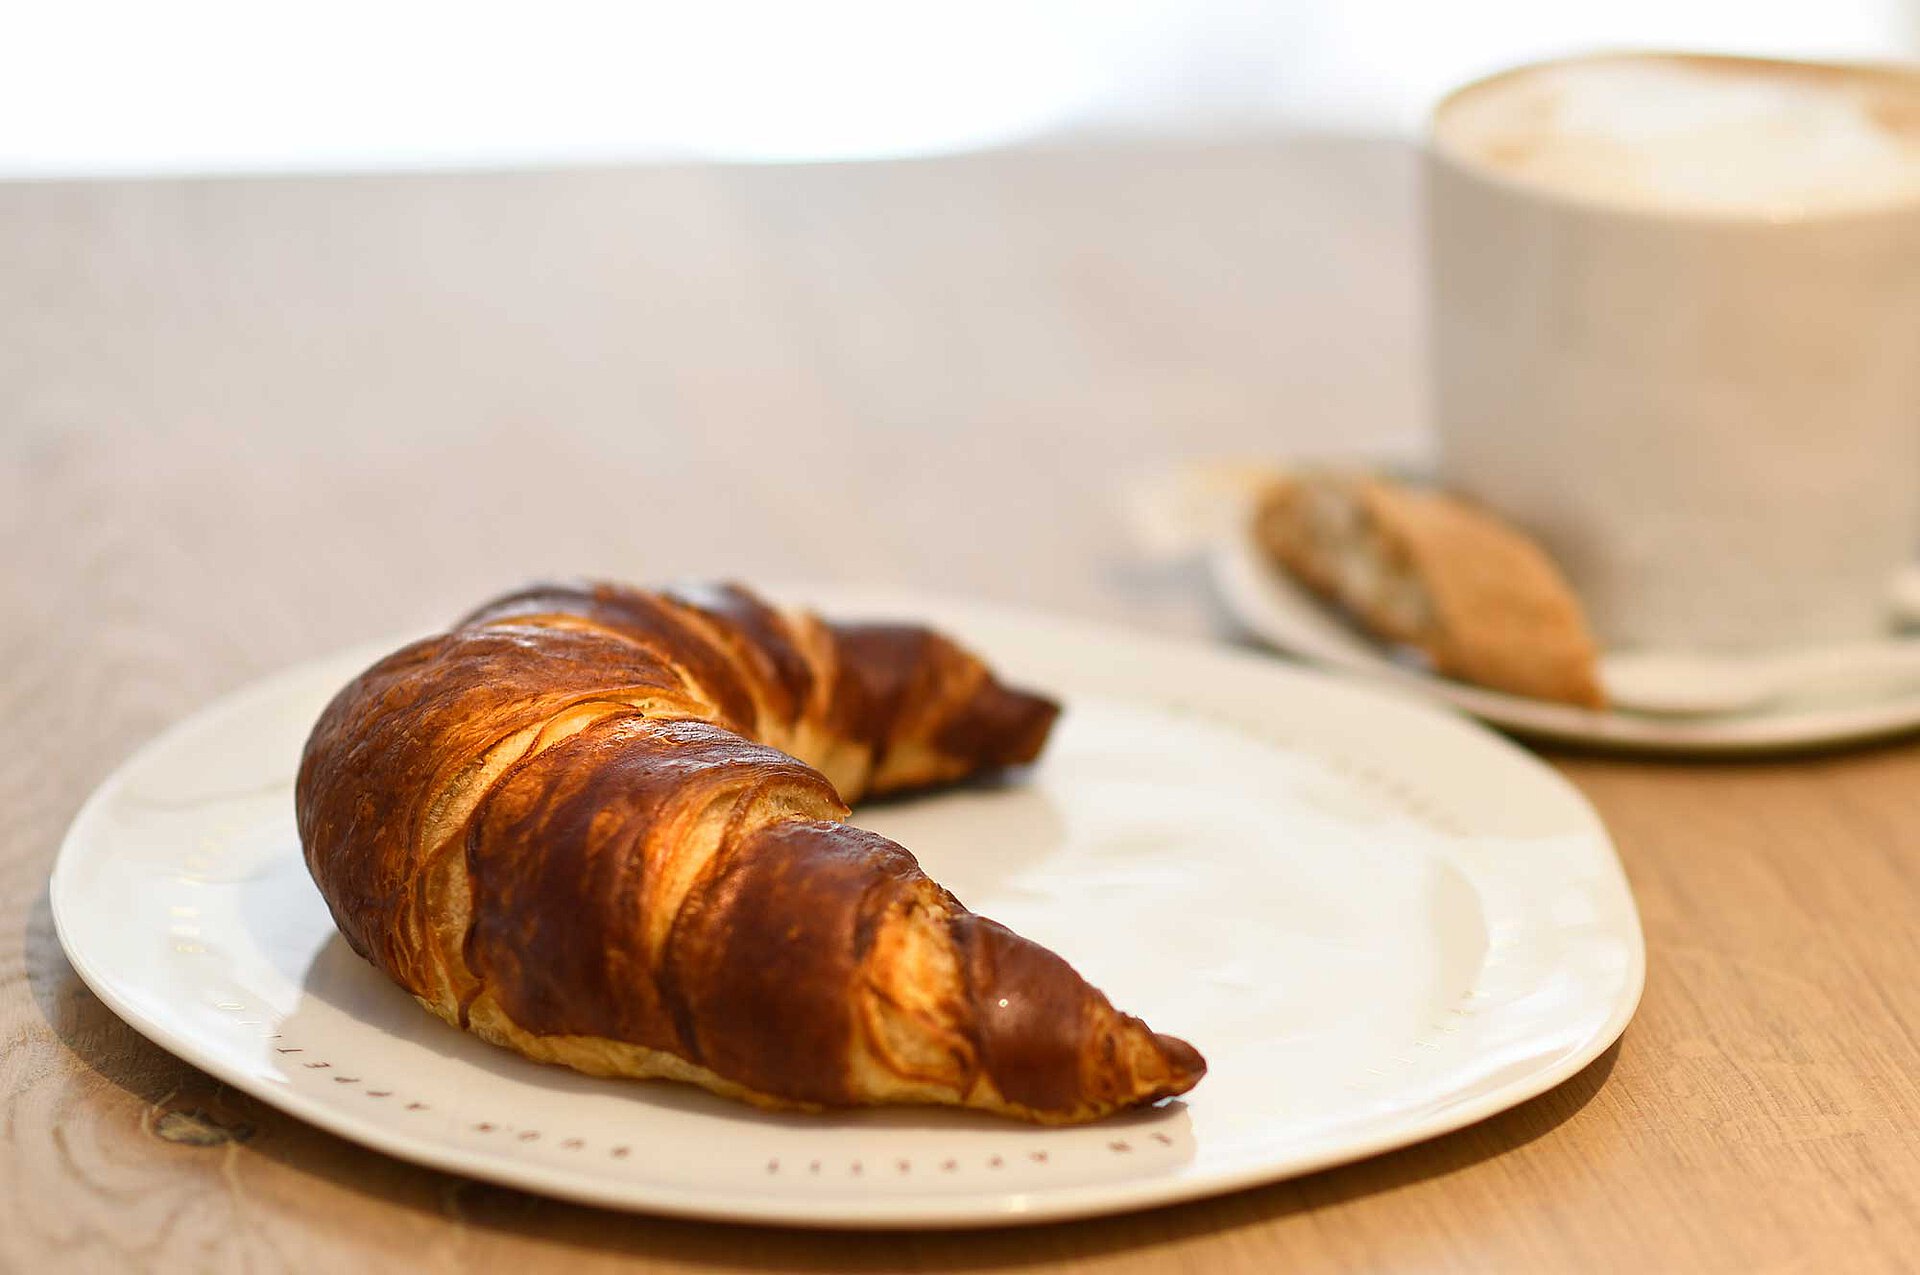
[{"x": 1378, "y": 921}]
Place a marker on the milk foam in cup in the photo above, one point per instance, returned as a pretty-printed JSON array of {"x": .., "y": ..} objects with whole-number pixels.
[{"x": 1729, "y": 137}]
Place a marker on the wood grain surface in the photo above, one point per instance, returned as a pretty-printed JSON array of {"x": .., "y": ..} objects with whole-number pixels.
[{"x": 247, "y": 422}]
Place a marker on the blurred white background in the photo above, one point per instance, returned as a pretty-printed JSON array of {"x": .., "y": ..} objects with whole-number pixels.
[{"x": 113, "y": 86}]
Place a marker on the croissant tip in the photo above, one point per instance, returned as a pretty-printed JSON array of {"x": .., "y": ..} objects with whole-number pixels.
[
  {"x": 1025, "y": 722},
  {"x": 1183, "y": 1060}
]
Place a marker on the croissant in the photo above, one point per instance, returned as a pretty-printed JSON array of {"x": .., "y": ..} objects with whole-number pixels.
[{"x": 604, "y": 827}]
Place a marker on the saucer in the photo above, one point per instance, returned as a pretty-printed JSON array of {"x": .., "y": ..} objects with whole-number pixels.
[{"x": 1278, "y": 612}]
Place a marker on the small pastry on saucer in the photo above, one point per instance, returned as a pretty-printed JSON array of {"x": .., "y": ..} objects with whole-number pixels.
[{"x": 1478, "y": 599}]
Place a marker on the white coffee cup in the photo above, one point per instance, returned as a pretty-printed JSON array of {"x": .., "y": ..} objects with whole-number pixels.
[{"x": 1676, "y": 335}]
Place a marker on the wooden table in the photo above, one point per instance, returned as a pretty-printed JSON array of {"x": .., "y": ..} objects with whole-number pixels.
[{"x": 246, "y": 422}]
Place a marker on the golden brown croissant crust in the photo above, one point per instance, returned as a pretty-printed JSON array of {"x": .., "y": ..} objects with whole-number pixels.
[{"x": 602, "y": 826}]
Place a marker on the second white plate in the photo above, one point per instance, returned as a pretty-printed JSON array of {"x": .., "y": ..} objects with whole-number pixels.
[
  {"x": 1378, "y": 921},
  {"x": 1280, "y": 613}
]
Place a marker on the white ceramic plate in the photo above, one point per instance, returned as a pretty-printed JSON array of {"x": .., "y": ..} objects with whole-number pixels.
[
  {"x": 1277, "y": 611},
  {"x": 1379, "y": 922}
]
